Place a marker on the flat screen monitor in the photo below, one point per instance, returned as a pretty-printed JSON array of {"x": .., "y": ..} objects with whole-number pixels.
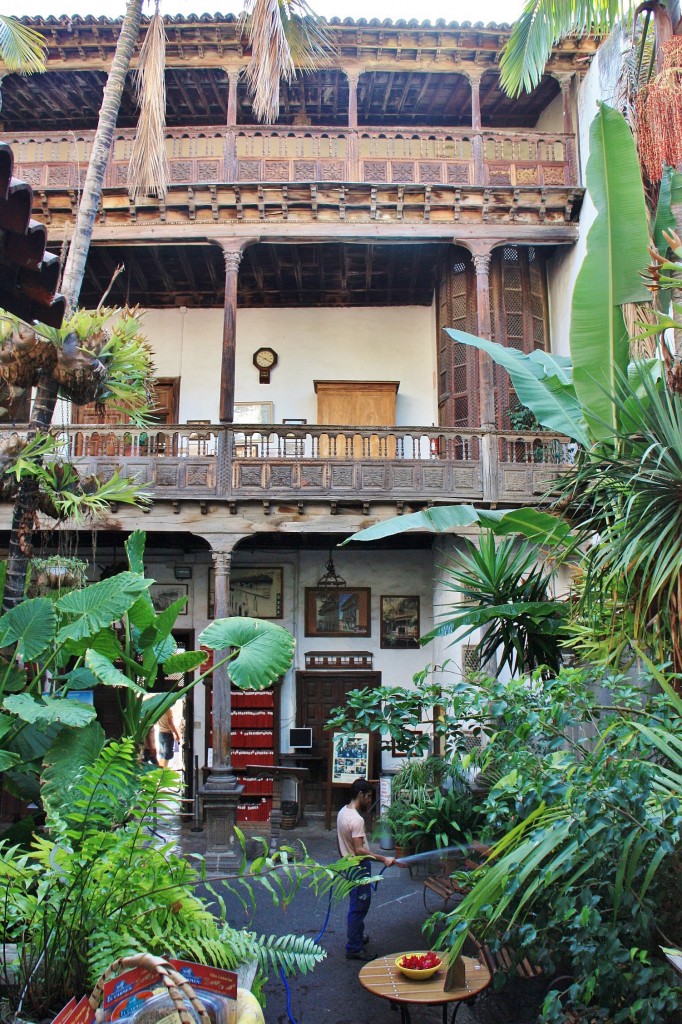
[{"x": 301, "y": 739}]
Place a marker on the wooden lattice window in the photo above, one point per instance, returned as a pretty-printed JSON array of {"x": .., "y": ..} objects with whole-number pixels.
[
  {"x": 518, "y": 313},
  {"x": 457, "y": 371},
  {"x": 471, "y": 661},
  {"x": 518, "y": 317}
]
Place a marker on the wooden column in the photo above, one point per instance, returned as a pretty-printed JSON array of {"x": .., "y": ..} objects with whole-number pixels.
[
  {"x": 232, "y": 78},
  {"x": 479, "y": 166},
  {"x": 353, "y": 142},
  {"x": 231, "y": 133},
  {"x": 571, "y": 169},
  {"x": 233, "y": 249},
  {"x": 221, "y": 793},
  {"x": 486, "y": 384}
]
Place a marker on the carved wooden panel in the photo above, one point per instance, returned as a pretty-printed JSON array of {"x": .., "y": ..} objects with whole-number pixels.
[
  {"x": 401, "y": 170},
  {"x": 375, "y": 170},
  {"x": 429, "y": 173},
  {"x": 248, "y": 170},
  {"x": 181, "y": 170},
  {"x": 59, "y": 174},
  {"x": 527, "y": 175},
  {"x": 499, "y": 174},
  {"x": 208, "y": 170},
  {"x": 458, "y": 174},
  {"x": 312, "y": 476},
  {"x": 333, "y": 170},
  {"x": 304, "y": 170},
  {"x": 277, "y": 170},
  {"x": 31, "y": 174},
  {"x": 553, "y": 175}
]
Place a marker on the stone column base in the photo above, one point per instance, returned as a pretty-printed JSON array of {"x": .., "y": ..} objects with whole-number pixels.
[{"x": 219, "y": 804}]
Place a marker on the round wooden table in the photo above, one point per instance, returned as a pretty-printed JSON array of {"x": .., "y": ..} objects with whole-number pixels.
[{"x": 382, "y": 978}]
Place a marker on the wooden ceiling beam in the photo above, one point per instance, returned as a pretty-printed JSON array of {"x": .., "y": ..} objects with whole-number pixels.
[
  {"x": 387, "y": 92},
  {"x": 168, "y": 281},
  {"x": 186, "y": 267}
]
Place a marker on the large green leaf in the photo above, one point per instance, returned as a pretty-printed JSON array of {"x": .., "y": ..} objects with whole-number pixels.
[
  {"x": 108, "y": 674},
  {"x": 135, "y": 551},
  {"x": 185, "y": 662},
  {"x": 31, "y": 626},
  {"x": 548, "y": 395},
  {"x": 70, "y": 752},
  {"x": 105, "y": 642},
  {"x": 529, "y": 522},
  {"x": 669, "y": 195},
  {"x": 49, "y": 710},
  {"x": 100, "y": 604},
  {"x": 265, "y": 650},
  {"x": 8, "y": 760},
  {"x": 617, "y": 253}
]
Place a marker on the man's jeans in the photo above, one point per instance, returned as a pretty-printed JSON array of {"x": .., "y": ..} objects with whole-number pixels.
[{"x": 360, "y": 899}]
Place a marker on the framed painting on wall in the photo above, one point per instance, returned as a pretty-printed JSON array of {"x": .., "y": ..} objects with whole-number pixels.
[
  {"x": 255, "y": 590},
  {"x": 350, "y": 757},
  {"x": 399, "y": 622},
  {"x": 164, "y": 594},
  {"x": 337, "y": 612},
  {"x": 253, "y": 412}
]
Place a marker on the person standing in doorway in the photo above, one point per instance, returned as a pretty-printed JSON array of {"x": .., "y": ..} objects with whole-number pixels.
[
  {"x": 350, "y": 833},
  {"x": 168, "y": 736}
]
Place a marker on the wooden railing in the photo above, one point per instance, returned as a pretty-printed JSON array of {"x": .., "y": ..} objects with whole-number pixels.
[
  {"x": 282, "y": 462},
  {"x": 456, "y": 156}
]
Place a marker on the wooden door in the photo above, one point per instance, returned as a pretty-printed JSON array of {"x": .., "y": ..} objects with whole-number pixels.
[
  {"x": 357, "y": 403},
  {"x": 316, "y": 694},
  {"x": 167, "y": 395}
]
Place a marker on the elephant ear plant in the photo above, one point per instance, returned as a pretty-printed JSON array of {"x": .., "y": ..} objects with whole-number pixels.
[{"x": 108, "y": 634}]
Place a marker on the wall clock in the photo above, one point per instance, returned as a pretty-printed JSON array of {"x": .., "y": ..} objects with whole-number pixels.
[{"x": 265, "y": 360}]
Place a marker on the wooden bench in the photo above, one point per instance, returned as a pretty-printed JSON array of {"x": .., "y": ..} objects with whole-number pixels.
[{"x": 443, "y": 887}]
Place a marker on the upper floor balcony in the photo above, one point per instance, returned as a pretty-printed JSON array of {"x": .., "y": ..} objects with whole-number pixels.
[
  {"x": 252, "y": 154},
  {"x": 282, "y": 463}
]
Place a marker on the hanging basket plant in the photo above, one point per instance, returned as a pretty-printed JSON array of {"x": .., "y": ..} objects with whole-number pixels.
[
  {"x": 57, "y": 573},
  {"x": 659, "y": 114},
  {"x": 23, "y": 353}
]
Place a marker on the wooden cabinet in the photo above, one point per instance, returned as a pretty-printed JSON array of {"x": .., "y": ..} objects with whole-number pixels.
[{"x": 360, "y": 403}]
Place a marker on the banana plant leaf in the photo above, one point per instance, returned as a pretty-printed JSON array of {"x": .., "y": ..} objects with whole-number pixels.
[
  {"x": 529, "y": 522},
  {"x": 610, "y": 274},
  {"x": 541, "y": 383}
]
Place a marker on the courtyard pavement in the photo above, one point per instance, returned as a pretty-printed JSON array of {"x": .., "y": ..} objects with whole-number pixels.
[{"x": 332, "y": 994}]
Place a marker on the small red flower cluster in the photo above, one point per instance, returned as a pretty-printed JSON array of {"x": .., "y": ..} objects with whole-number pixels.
[{"x": 420, "y": 962}]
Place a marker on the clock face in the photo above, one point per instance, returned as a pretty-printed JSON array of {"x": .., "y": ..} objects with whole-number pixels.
[{"x": 264, "y": 358}]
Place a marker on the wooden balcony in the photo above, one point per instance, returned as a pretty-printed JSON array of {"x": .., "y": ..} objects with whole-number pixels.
[
  {"x": 211, "y": 155},
  {"x": 283, "y": 463}
]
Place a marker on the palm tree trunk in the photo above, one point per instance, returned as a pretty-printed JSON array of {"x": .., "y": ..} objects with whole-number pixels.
[
  {"x": 26, "y": 504},
  {"x": 101, "y": 149}
]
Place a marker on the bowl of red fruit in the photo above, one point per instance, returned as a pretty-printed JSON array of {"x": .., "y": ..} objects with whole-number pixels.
[{"x": 418, "y": 966}]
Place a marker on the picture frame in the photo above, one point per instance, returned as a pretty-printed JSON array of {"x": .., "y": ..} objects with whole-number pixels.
[
  {"x": 164, "y": 594},
  {"x": 345, "y": 611},
  {"x": 350, "y": 754},
  {"x": 399, "y": 622},
  {"x": 255, "y": 590},
  {"x": 254, "y": 412}
]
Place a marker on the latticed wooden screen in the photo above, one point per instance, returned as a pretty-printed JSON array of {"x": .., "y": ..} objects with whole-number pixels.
[
  {"x": 518, "y": 314},
  {"x": 458, "y": 371}
]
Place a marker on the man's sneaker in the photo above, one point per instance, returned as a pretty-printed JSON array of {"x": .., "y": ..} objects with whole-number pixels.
[{"x": 360, "y": 955}]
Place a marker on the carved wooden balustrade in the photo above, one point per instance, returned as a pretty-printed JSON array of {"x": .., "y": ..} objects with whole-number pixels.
[
  {"x": 284, "y": 463},
  {"x": 457, "y": 156}
]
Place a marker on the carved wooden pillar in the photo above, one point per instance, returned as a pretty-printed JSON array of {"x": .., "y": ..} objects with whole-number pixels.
[
  {"x": 479, "y": 166},
  {"x": 221, "y": 793},
  {"x": 486, "y": 382},
  {"x": 353, "y": 144},
  {"x": 233, "y": 249},
  {"x": 231, "y": 135}
]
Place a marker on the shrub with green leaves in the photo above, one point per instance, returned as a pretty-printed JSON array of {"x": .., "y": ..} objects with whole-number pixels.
[{"x": 101, "y": 883}]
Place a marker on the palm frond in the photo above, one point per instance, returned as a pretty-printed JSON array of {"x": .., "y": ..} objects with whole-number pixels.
[
  {"x": 283, "y": 35},
  {"x": 148, "y": 169},
  {"x": 540, "y": 26},
  {"x": 22, "y": 49}
]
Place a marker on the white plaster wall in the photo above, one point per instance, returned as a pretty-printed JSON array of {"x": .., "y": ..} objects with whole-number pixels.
[
  {"x": 552, "y": 117},
  {"x": 387, "y": 343},
  {"x": 562, "y": 269}
]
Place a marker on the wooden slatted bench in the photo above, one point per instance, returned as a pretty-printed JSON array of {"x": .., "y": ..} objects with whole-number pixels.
[
  {"x": 443, "y": 886},
  {"x": 503, "y": 961}
]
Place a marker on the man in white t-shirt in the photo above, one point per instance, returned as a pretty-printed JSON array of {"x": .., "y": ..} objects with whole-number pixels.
[{"x": 350, "y": 833}]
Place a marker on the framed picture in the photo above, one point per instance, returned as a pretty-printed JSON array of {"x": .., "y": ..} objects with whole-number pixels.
[
  {"x": 255, "y": 590},
  {"x": 350, "y": 757},
  {"x": 164, "y": 594},
  {"x": 254, "y": 412},
  {"x": 399, "y": 622},
  {"x": 342, "y": 612}
]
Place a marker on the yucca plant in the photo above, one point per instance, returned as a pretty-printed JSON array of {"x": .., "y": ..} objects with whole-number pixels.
[{"x": 504, "y": 590}]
